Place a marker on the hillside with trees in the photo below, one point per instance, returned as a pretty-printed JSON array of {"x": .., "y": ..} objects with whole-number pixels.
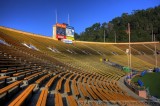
[{"x": 143, "y": 24}]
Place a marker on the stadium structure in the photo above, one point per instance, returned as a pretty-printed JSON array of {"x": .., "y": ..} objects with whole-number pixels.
[
  {"x": 42, "y": 71},
  {"x": 63, "y": 32}
]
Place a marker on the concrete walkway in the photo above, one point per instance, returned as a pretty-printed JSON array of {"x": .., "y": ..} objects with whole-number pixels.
[{"x": 129, "y": 92}]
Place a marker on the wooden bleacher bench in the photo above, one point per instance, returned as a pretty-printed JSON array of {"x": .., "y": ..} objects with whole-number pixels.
[
  {"x": 84, "y": 79},
  {"x": 21, "y": 73},
  {"x": 7, "y": 88},
  {"x": 112, "y": 87},
  {"x": 80, "y": 79},
  {"x": 89, "y": 81},
  {"x": 71, "y": 76},
  {"x": 84, "y": 92},
  {"x": 105, "y": 97},
  {"x": 97, "y": 93},
  {"x": 33, "y": 75},
  {"x": 71, "y": 101},
  {"x": 10, "y": 66},
  {"x": 75, "y": 78},
  {"x": 58, "y": 100},
  {"x": 3, "y": 77},
  {"x": 6, "y": 59},
  {"x": 91, "y": 92},
  {"x": 13, "y": 69},
  {"x": 49, "y": 83},
  {"x": 99, "y": 84},
  {"x": 42, "y": 98},
  {"x": 23, "y": 96},
  {"x": 67, "y": 88},
  {"x": 6, "y": 70},
  {"x": 108, "y": 86},
  {"x": 42, "y": 78},
  {"x": 110, "y": 96},
  {"x": 95, "y": 82},
  {"x": 104, "y": 86},
  {"x": 76, "y": 92},
  {"x": 59, "y": 84}
]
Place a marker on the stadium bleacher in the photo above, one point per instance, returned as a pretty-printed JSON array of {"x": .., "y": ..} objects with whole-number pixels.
[{"x": 64, "y": 77}]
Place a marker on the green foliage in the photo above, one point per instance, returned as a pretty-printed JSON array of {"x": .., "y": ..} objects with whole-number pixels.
[
  {"x": 76, "y": 36},
  {"x": 142, "y": 22}
]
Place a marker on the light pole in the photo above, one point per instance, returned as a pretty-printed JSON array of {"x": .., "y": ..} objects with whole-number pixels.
[
  {"x": 129, "y": 46},
  {"x": 104, "y": 36},
  {"x": 68, "y": 19},
  {"x": 56, "y": 16},
  {"x": 155, "y": 50},
  {"x": 152, "y": 35},
  {"x": 105, "y": 27},
  {"x": 115, "y": 37}
]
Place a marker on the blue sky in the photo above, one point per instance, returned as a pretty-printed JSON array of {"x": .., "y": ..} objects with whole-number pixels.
[{"x": 38, "y": 16}]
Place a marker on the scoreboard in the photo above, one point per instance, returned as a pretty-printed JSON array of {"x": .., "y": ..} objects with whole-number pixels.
[
  {"x": 60, "y": 31},
  {"x": 63, "y": 32},
  {"x": 70, "y": 33}
]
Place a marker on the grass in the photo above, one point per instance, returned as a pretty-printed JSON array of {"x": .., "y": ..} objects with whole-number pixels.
[{"x": 151, "y": 80}]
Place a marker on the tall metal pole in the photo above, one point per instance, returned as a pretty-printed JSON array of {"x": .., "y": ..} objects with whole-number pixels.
[
  {"x": 56, "y": 15},
  {"x": 152, "y": 35},
  {"x": 128, "y": 58},
  {"x": 155, "y": 50},
  {"x": 115, "y": 37},
  {"x": 104, "y": 36},
  {"x": 129, "y": 46},
  {"x": 68, "y": 20}
]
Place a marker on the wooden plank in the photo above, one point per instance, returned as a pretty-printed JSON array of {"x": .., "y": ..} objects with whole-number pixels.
[
  {"x": 97, "y": 93},
  {"x": 45, "y": 98},
  {"x": 76, "y": 92},
  {"x": 67, "y": 88},
  {"x": 49, "y": 83},
  {"x": 21, "y": 98},
  {"x": 84, "y": 92},
  {"x": 42, "y": 98},
  {"x": 71, "y": 101},
  {"x": 91, "y": 92},
  {"x": 58, "y": 100},
  {"x": 42, "y": 78},
  {"x": 5, "y": 89},
  {"x": 20, "y": 73},
  {"x": 3, "y": 77},
  {"x": 33, "y": 75}
]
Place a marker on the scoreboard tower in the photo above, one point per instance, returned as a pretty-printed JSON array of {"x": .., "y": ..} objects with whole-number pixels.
[{"x": 63, "y": 32}]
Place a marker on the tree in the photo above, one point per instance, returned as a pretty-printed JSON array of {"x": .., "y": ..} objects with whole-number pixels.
[
  {"x": 142, "y": 22},
  {"x": 76, "y": 36}
]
